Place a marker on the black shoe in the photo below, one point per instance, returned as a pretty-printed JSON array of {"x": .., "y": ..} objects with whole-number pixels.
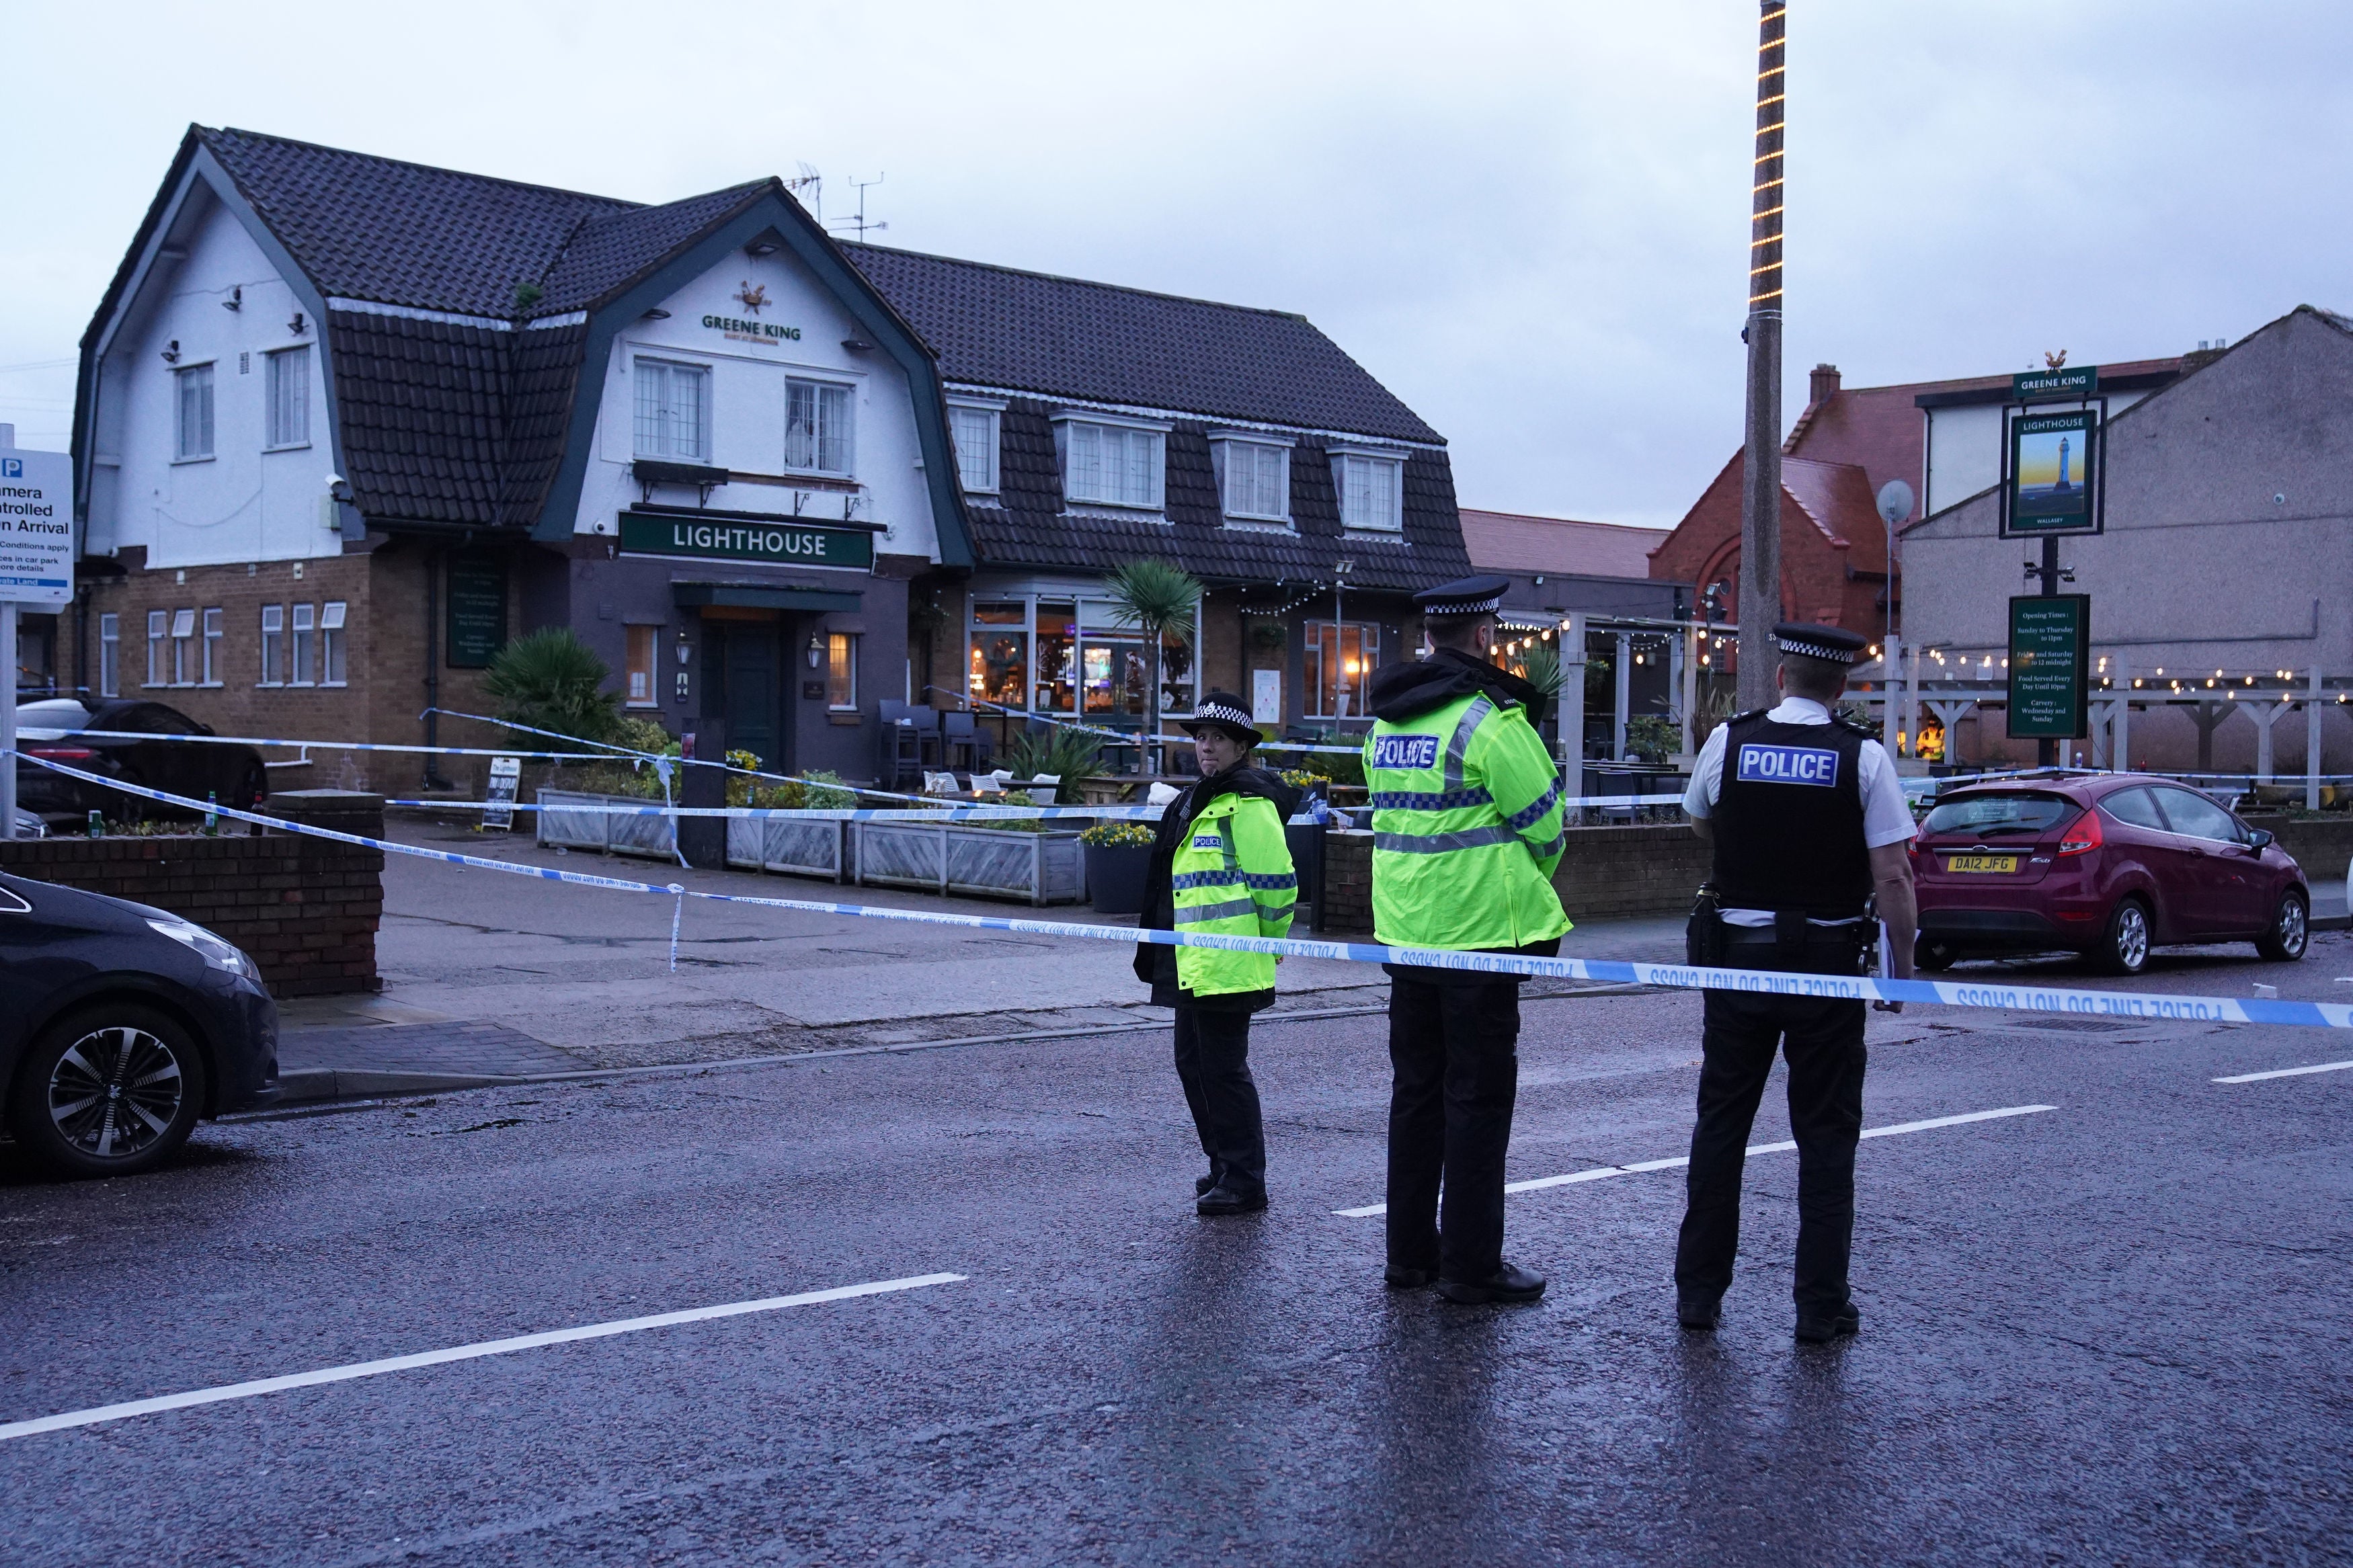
[
  {"x": 1700, "y": 1314},
  {"x": 1222, "y": 1199},
  {"x": 1402, "y": 1277},
  {"x": 1202, "y": 1184},
  {"x": 1510, "y": 1283},
  {"x": 1818, "y": 1331}
]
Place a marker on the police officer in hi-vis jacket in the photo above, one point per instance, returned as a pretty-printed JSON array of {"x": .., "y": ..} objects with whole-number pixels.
[
  {"x": 1807, "y": 825},
  {"x": 1220, "y": 867},
  {"x": 1466, "y": 832}
]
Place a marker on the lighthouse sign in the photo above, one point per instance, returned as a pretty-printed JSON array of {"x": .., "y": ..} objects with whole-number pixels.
[{"x": 2053, "y": 482}]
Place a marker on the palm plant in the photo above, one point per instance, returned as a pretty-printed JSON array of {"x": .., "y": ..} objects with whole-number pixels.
[
  {"x": 552, "y": 681},
  {"x": 1068, "y": 755},
  {"x": 1542, "y": 663},
  {"x": 1158, "y": 600}
]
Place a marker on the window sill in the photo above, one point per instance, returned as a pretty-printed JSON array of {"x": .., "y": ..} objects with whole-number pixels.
[
  {"x": 1362, "y": 531},
  {"x": 643, "y": 707},
  {"x": 1263, "y": 524},
  {"x": 837, "y": 717},
  {"x": 268, "y": 686},
  {"x": 334, "y": 685},
  {"x": 289, "y": 446},
  {"x": 202, "y": 457}
]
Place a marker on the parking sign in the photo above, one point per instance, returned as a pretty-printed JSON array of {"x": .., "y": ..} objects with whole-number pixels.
[{"x": 36, "y": 537}]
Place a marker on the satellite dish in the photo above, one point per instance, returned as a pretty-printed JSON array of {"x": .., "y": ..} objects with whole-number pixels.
[{"x": 1894, "y": 502}]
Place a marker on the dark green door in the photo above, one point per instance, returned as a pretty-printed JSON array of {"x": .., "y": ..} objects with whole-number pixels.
[{"x": 754, "y": 693}]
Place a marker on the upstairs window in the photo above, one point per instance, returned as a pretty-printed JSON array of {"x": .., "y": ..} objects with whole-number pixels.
[
  {"x": 330, "y": 643},
  {"x": 109, "y": 656},
  {"x": 1255, "y": 478},
  {"x": 211, "y": 647},
  {"x": 159, "y": 625},
  {"x": 1112, "y": 465},
  {"x": 673, "y": 411},
  {"x": 305, "y": 628},
  {"x": 816, "y": 427},
  {"x": 273, "y": 645},
  {"x": 288, "y": 391},
  {"x": 1372, "y": 491},
  {"x": 196, "y": 413},
  {"x": 975, "y": 432}
]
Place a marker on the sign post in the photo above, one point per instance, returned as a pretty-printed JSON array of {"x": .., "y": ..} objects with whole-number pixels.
[
  {"x": 2050, "y": 667},
  {"x": 35, "y": 568}
]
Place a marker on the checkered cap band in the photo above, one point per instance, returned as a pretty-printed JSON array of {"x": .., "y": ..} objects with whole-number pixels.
[
  {"x": 1221, "y": 713},
  {"x": 1486, "y": 607},
  {"x": 1805, "y": 649}
]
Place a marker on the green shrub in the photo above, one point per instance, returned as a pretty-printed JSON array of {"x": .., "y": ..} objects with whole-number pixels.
[
  {"x": 1070, "y": 754},
  {"x": 1124, "y": 835},
  {"x": 1652, "y": 737},
  {"x": 552, "y": 681}
]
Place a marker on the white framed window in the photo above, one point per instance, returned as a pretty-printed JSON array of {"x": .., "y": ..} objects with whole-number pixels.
[
  {"x": 1337, "y": 664},
  {"x": 213, "y": 648},
  {"x": 184, "y": 648},
  {"x": 159, "y": 630},
  {"x": 109, "y": 656},
  {"x": 817, "y": 419},
  {"x": 1372, "y": 489},
  {"x": 193, "y": 385},
  {"x": 841, "y": 671},
  {"x": 331, "y": 644},
  {"x": 974, "y": 427},
  {"x": 1254, "y": 477},
  {"x": 287, "y": 388},
  {"x": 273, "y": 645},
  {"x": 306, "y": 619},
  {"x": 673, "y": 411},
  {"x": 640, "y": 659},
  {"x": 1112, "y": 464}
]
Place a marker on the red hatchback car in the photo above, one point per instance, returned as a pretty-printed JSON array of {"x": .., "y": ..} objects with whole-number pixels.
[{"x": 2108, "y": 865}]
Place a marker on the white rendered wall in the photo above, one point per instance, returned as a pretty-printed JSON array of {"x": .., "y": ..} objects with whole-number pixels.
[
  {"x": 747, "y": 405},
  {"x": 243, "y": 503},
  {"x": 1965, "y": 448}
]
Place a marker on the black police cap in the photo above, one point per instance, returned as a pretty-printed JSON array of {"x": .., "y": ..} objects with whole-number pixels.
[
  {"x": 1223, "y": 712},
  {"x": 1832, "y": 645},
  {"x": 1463, "y": 597}
]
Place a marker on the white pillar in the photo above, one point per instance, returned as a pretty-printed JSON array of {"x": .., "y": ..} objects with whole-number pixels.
[
  {"x": 1678, "y": 669},
  {"x": 1572, "y": 707},
  {"x": 2312, "y": 742},
  {"x": 2266, "y": 715},
  {"x": 1621, "y": 694},
  {"x": 1690, "y": 645},
  {"x": 2120, "y": 736},
  {"x": 1912, "y": 697},
  {"x": 1891, "y": 689}
]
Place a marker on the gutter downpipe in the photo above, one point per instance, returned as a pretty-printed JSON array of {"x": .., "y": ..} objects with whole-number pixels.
[{"x": 433, "y": 779}]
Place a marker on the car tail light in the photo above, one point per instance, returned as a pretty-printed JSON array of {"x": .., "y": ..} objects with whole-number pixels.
[
  {"x": 2083, "y": 836},
  {"x": 61, "y": 754}
]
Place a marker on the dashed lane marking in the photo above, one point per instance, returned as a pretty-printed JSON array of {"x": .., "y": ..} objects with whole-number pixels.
[
  {"x": 1601, "y": 1172},
  {"x": 2284, "y": 1072},
  {"x": 459, "y": 1353}
]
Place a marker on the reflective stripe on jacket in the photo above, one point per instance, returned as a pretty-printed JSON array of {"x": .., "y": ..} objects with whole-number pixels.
[
  {"x": 1466, "y": 828},
  {"x": 1232, "y": 877}
]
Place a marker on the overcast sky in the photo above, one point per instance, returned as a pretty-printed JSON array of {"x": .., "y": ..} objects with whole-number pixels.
[{"x": 1529, "y": 221}]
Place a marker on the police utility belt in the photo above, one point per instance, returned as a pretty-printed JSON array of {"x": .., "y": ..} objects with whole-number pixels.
[{"x": 1792, "y": 943}]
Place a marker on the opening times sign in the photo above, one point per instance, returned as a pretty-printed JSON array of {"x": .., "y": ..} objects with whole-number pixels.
[{"x": 2050, "y": 667}]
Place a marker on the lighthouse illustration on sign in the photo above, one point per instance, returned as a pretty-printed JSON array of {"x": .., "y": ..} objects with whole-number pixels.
[
  {"x": 2063, "y": 484},
  {"x": 2046, "y": 451}
]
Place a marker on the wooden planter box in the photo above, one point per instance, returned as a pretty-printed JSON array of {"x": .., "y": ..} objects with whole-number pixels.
[
  {"x": 655, "y": 837},
  {"x": 795, "y": 846},
  {"x": 1038, "y": 868}
]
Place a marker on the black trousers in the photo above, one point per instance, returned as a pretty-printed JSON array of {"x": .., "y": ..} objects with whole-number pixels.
[
  {"x": 1455, "y": 1049},
  {"x": 1823, "y": 1040},
  {"x": 1213, "y": 1064}
]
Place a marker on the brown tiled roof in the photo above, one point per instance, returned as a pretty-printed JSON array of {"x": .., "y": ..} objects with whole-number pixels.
[{"x": 1521, "y": 542}]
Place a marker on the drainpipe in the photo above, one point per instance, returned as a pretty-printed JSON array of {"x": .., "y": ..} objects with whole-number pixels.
[{"x": 433, "y": 779}]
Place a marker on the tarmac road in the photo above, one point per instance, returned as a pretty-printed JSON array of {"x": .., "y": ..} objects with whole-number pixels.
[{"x": 2111, "y": 1330}]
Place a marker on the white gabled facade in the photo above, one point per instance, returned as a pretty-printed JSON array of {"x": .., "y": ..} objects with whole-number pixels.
[{"x": 201, "y": 473}]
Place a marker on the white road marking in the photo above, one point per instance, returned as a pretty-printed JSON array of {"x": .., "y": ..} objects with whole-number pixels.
[
  {"x": 2284, "y": 1072},
  {"x": 458, "y": 1352},
  {"x": 1601, "y": 1172}
]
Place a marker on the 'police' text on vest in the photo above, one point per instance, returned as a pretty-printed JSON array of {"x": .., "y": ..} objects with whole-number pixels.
[{"x": 1787, "y": 765}]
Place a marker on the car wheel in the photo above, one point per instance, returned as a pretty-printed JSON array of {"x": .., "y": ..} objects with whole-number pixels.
[
  {"x": 110, "y": 1090},
  {"x": 2290, "y": 932},
  {"x": 2124, "y": 946},
  {"x": 1934, "y": 957}
]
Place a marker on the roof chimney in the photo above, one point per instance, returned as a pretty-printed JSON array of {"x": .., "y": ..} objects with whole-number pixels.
[{"x": 1823, "y": 385}]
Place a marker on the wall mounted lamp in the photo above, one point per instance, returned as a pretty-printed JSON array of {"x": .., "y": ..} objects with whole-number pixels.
[
  {"x": 816, "y": 651},
  {"x": 298, "y": 325},
  {"x": 171, "y": 352},
  {"x": 236, "y": 300},
  {"x": 656, "y": 315}
]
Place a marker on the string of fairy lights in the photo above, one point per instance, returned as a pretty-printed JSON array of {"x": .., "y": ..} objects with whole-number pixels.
[{"x": 1767, "y": 188}]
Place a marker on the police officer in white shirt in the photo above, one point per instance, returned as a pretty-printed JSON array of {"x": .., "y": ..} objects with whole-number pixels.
[{"x": 1807, "y": 825}]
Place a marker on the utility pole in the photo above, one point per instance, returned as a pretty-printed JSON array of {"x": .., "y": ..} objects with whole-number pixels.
[{"x": 1760, "y": 502}]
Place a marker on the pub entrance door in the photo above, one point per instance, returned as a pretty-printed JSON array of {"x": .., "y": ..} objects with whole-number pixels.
[{"x": 744, "y": 654}]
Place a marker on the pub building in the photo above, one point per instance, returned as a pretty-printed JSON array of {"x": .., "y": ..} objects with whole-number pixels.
[{"x": 346, "y": 425}]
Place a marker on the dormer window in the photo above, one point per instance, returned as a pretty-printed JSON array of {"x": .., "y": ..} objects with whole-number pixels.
[
  {"x": 1111, "y": 461},
  {"x": 972, "y": 424},
  {"x": 817, "y": 432},
  {"x": 673, "y": 411},
  {"x": 1371, "y": 483},
  {"x": 1254, "y": 477}
]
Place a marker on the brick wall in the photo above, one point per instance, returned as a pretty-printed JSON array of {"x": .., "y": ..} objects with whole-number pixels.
[
  {"x": 306, "y": 909},
  {"x": 1606, "y": 873}
]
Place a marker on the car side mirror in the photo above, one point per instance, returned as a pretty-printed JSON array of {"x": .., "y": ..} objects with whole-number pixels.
[
  {"x": 208, "y": 728},
  {"x": 2259, "y": 840}
]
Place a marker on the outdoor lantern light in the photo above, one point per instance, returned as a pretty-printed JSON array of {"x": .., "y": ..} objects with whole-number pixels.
[
  {"x": 815, "y": 651},
  {"x": 682, "y": 645}
]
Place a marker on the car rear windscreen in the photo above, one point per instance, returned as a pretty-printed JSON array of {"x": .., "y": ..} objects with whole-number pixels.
[{"x": 2008, "y": 813}]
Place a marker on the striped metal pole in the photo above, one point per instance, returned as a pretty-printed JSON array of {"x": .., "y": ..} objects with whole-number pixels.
[{"x": 1761, "y": 506}]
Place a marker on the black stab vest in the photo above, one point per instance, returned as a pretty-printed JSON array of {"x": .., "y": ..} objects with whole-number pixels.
[{"x": 1788, "y": 818}]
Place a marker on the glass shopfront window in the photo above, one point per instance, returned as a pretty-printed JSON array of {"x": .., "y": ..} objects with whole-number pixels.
[
  {"x": 1340, "y": 658},
  {"x": 1000, "y": 652},
  {"x": 1057, "y": 684},
  {"x": 1085, "y": 661}
]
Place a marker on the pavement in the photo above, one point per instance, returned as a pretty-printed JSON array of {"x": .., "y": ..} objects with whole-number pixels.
[{"x": 2106, "y": 1326}]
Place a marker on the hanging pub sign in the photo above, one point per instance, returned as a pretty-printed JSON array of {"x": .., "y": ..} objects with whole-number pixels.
[
  {"x": 2053, "y": 480},
  {"x": 2050, "y": 667}
]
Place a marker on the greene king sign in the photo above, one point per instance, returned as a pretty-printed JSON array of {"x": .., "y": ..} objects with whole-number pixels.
[{"x": 720, "y": 539}]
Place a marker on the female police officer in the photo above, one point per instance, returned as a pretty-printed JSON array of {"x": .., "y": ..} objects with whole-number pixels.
[{"x": 1220, "y": 867}]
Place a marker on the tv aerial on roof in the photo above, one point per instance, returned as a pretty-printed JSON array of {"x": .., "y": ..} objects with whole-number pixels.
[
  {"x": 808, "y": 180},
  {"x": 859, "y": 222}
]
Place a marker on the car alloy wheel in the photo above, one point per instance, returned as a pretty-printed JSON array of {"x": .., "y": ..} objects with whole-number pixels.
[
  {"x": 116, "y": 1092},
  {"x": 2127, "y": 942},
  {"x": 2291, "y": 931}
]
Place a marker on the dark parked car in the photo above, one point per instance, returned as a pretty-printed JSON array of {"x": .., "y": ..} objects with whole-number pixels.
[
  {"x": 2109, "y": 866},
  {"x": 231, "y": 774},
  {"x": 121, "y": 1027}
]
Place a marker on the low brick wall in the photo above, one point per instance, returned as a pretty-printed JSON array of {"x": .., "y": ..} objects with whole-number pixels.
[
  {"x": 1606, "y": 873},
  {"x": 306, "y": 909},
  {"x": 2322, "y": 845}
]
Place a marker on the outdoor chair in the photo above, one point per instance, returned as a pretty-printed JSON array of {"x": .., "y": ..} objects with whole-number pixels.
[
  {"x": 909, "y": 738},
  {"x": 964, "y": 743}
]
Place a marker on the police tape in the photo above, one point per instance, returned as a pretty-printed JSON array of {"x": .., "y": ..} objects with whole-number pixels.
[
  {"x": 2147, "y": 1006},
  {"x": 906, "y": 813}
]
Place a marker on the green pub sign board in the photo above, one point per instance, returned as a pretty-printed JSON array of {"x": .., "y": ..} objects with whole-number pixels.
[
  {"x": 2055, "y": 385},
  {"x": 732, "y": 539},
  {"x": 2054, "y": 475},
  {"x": 2050, "y": 667},
  {"x": 478, "y": 610}
]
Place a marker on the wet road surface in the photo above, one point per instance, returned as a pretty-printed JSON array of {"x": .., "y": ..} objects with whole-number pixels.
[{"x": 2113, "y": 1330}]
